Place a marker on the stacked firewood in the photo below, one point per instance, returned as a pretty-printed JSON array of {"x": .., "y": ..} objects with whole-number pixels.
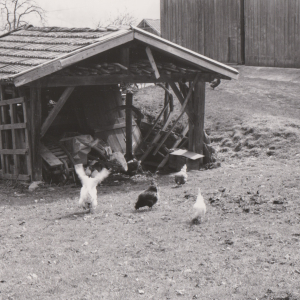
[{"x": 141, "y": 67}]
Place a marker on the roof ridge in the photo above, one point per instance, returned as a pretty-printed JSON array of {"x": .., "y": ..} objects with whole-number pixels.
[
  {"x": 75, "y": 29},
  {"x": 14, "y": 30}
]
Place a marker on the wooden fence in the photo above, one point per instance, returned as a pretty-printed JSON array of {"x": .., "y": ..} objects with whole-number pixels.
[{"x": 254, "y": 32}]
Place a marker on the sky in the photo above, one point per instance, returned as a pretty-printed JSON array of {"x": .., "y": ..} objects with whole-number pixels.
[{"x": 87, "y": 13}]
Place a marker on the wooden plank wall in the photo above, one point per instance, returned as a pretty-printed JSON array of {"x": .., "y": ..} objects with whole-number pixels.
[
  {"x": 272, "y": 33},
  {"x": 254, "y": 32},
  {"x": 210, "y": 27}
]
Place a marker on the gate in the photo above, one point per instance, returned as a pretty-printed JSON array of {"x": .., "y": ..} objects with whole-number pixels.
[{"x": 15, "y": 162}]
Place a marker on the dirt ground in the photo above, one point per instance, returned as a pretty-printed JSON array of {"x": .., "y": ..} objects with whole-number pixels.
[{"x": 247, "y": 246}]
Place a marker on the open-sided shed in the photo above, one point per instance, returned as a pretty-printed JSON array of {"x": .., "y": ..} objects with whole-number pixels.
[{"x": 80, "y": 69}]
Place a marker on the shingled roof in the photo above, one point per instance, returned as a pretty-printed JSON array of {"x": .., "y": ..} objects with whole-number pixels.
[
  {"x": 28, "y": 47},
  {"x": 29, "y": 53}
]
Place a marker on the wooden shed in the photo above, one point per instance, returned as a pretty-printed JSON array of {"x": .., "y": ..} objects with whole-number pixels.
[
  {"x": 150, "y": 25},
  {"x": 52, "y": 78}
]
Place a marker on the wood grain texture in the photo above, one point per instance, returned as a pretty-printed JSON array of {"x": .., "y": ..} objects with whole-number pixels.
[
  {"x": 210, "y": 24},
  {"x": 259, "y": 32},
  {"x": 57, "y": 108}
]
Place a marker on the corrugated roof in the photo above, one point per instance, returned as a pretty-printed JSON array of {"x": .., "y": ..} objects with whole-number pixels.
[
  {"x": 152, "y": 23},
  {"x": 30, "y": 46}
]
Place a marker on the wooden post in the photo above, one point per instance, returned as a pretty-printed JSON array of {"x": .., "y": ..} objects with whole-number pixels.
[
  {"x": 152, "y": 62},
  {"x": 124, "y": 56},
  {"x": 196, "y": 119},
  {"x": 35, "y": 126},
  {"x": 129, "y": 97},
  {"x": 166, "y": 112}
]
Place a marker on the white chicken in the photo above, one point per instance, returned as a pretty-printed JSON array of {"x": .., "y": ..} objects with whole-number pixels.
[
  {"x": 88, "y": 192},
  {"x": 181, "y": 176},
  {"x": 199, "y": 208}
]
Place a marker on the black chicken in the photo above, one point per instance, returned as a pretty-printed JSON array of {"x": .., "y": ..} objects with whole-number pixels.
[
  {"x": 215, "y": 83},
  {"x": 148, "y": 198}
]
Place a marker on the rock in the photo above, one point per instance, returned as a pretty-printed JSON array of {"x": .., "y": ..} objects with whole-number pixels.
[
  {"x": 180, "y": 292},
  {"x": 34, "y": 185},
  {"x": 270, "y": 152},
  {"x": 277, "y": 202}
]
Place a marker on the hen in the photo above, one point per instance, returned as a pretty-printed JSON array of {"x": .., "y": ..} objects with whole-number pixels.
[
  {"x": 199, "y": 208},
  {"x": 88, "y": 192},
  {"x": 215, "y": 83},
  {"x": 181, "y": 177},
  {"x": 148, "y": 198}
]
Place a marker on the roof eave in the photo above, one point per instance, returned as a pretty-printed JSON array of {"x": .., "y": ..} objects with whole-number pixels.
[
  {"x": 116, "y": 39},
  {"x": 184, "y": 53},
  {"x": 119, "y": 37}
]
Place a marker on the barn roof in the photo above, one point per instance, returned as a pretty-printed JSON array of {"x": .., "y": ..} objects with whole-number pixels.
[
  {"x": 152, "y": 23},
  {"x": 30, "y": 53}
]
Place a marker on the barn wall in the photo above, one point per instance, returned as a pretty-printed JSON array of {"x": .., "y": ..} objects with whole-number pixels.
[
  {"x": 272, "y": 33},
  {"x": 210, "y": 27},
  {"x": 254, "y": 32}
]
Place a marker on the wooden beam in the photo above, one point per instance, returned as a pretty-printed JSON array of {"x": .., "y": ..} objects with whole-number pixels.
[
  {"x": 129, "y": 97},
  {"x": 57, "y": 108},
  {"x": 184, "y": 53},
  {"x": 177, "y": 142},
  {"x": 181, "y": 114},
  {"x": 156, "y": 121},
  {"x": 49, "y": 157},
  {"x": 113, "y": 40},
  {"x": 35, "y": 126},
  {"x": 152, "y": 62},
  {"x": 124, "y": 56},
  {"x": 36, "y": 73},
  {"x": 178, "y": 94},
  {"x": 199, "y": 110},
  {"x": 14, "y": 176},
  {"x": 56, "y": 81},
  {"x": 196, "y": 123},
  {"x": 13, "y": 151},
  {"x": 155, "y": 139},
  {"x": 12, "y": 126},
  {"x": 105, "y": 43},
  {"x": 12, "y": 101},
  {"x": 168, "y": 96},
  {"x": 4, "y": 134},
  {"x": 26, "y": 115}
]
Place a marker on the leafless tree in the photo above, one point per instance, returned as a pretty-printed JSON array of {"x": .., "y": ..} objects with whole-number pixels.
[
  {"x": 15, "y": 13},
  {"x": 123, "y": 18}
]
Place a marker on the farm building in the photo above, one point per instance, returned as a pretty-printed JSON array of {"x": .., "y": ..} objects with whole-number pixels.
[
  {"x": 251, "y": 32},
  {"x": 150, "y": 25},
  {"x": 61, "y": 91}
]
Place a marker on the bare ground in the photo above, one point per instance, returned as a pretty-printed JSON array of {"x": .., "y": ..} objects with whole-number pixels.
[{"x": 247, "y": 247}]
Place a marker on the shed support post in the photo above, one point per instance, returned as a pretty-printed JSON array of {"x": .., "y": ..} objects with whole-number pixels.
[
  {"x": 129, "y": 97},
  {"x": 35, "y": 126},
  {"x": 124, "y": 56},
  {"x": 166, "y": 112},
  {"x": 196, "y": 122}
]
